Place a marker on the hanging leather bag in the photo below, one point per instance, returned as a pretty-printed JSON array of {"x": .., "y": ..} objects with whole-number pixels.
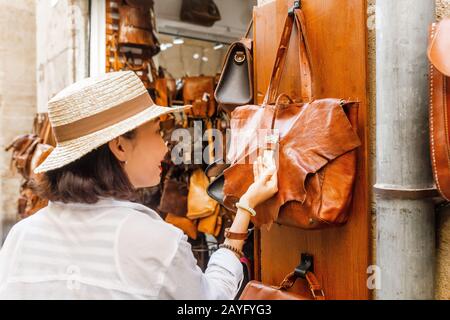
[
  {"x": 317, "y": 148},
  {"x": 439, "y": 56},
  {"x": 235, "y": 86},
  {"x": 199, "y": 92},
  {"x": 137, "y": 25},
  {"x": 202, "y": 12},
  {"x": 175, "y": 192}
]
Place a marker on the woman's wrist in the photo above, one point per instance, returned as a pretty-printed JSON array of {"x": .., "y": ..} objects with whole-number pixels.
[{"x": 246, "y": 199}]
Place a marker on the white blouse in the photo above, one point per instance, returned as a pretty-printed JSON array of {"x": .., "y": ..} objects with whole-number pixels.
[{"x": 109, "y": 250}]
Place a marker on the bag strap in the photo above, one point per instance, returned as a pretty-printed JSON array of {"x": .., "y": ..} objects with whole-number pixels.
[
  {"x": 313, "y": 284},
  {"x": 294, "y": 15},
  {"x": 249, "y": 27}
]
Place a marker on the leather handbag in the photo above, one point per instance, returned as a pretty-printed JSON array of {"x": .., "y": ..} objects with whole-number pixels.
[
  {"x": 211, "y": 224},
  {"x": 175, "y": 193},
  {"x": 200, "y": 205},
  {"x": 202, "y": 12},
  {"x": 199, "y": 92},
  {"x": 137, "y": 25},
  {"x": 439, "y": 56},
  {"x": 235, "y": 86},
  {"x": 310, "y": 289},
  {"x": 316, "y": 149},
  {"x": 255, "y": 290}
]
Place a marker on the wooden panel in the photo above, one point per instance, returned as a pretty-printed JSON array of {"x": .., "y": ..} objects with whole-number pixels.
[{"x": 337, "y": 36}]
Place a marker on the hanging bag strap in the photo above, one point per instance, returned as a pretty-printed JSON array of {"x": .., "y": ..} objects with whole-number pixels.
[{"x": 296, "y": 16}]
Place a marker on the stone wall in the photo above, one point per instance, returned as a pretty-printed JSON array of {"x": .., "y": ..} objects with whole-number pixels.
[{"x": 17, "y": 93}]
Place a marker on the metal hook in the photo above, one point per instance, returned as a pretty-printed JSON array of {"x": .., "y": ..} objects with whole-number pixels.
[
  {"x": 297, "y": 5},
  {"x": 306, "y": 265}
]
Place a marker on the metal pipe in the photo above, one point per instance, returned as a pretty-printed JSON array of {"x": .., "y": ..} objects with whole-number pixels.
[{"x": 405, "y": 226}]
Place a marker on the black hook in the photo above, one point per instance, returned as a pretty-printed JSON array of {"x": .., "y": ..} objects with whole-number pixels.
[
  {"x": 297, "y": 5},
  {"x": 306, "y": 265}
]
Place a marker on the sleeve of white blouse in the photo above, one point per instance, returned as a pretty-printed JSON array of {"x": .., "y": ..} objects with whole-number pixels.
[{"x": 185, "y": 280}]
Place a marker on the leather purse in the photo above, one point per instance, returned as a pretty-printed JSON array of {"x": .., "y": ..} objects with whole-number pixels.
[
  {"x": 137, "y": 25},
  {"x": 439, "y": 56},
  {"x": 211, "y": 224},
  {"x": 199, "y": 92},
  {"x": 235, "y": 86},
  {"x": 200, "y": 205},
  {"x": 255, "y": 290},
  {"x": 317, "y": 148},
  {"x": 175, "y": 193},
  {"x": 310, "y": 289},
  {"x": 202, "y": 12}
]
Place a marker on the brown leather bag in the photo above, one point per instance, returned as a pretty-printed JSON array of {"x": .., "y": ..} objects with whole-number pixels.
[
  {"x": 199, "y": 92},
  {"x": 235, "y": 86},
  {"x": 137, "y": 25},
  {"x": 202, "y": 12},
  {"x": 255, "y": 290},
  {"x": 439, "y": 56},
  {"x": 200, "y": 205},
  {"x": 317, "y": 149},
  {"x": 175, "y": 192}
]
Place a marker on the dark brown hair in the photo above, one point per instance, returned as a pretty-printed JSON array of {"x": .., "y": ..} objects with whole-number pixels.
[{"x": 97, "y": 174}]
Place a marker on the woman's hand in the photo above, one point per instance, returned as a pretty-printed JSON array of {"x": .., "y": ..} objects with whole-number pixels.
[{"x": 265, "y": 184}]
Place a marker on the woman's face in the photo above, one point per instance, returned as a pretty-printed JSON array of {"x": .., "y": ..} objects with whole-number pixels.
[{"x": 142, "y": 155}]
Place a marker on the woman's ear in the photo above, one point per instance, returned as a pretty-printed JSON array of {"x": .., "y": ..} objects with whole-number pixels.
[{"x": 119, "y": 148}]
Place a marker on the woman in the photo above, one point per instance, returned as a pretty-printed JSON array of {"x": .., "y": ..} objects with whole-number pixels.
[{"x": 92, "y": 241}]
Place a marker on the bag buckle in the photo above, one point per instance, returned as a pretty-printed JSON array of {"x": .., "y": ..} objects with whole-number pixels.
[{"x": 239, "y": 57}]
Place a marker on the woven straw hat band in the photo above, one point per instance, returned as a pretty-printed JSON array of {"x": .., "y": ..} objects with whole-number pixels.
[{"x": 102, "y": 119}]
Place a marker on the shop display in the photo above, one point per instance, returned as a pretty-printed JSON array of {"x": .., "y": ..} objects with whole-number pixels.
[
  {"x": 202, "y": 12},
  {"x": 235, "y": 85},
  {"x": 438, "y": 54},
  {"x": 317, "y": 158}
]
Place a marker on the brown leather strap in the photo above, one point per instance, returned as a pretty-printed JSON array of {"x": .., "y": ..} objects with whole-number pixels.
[
  {"x": 313, "y": 284},
  {"x": 315, "y": 287},
  {"x": 304, "y": 57},
  {"x": 249, "y": 27},
  {"x": 102, "y": 119},
  {"x": 234, "y": 235}
]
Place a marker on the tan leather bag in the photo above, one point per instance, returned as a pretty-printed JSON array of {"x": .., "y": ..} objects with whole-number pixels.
[
  {"x": 235, "y": 86},
  {"x": 317, "y": 157},
  {"x": 211, "y": 224},
  {"x": 439, "y": 56},
  {"x": 137, "y": 26},
  {"x": 199, "y": 204},
  {"x": 199, "y": 92},
  {"x": 255, "y": 290}
]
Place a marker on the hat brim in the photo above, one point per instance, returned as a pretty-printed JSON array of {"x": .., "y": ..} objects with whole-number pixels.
[{"x": 71, "y": 150}]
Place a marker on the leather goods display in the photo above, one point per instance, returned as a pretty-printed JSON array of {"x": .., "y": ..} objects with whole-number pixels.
[
  {"x": 202, "y": 12},
  {"x": 199, "y": 92},
  {"x": 312, "y": 290},
  {"x": 200, "y": 205},
  {"x": 235, "y": 86},
  {"x": 188, "y": 226},
  {"x": 137, "y": 25},
  {"x": 439, "y": 56},
  {"x": 317, "y": 148}
]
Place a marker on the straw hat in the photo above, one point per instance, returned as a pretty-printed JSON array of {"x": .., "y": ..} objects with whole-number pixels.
[{"x": 95, "y": 110}]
